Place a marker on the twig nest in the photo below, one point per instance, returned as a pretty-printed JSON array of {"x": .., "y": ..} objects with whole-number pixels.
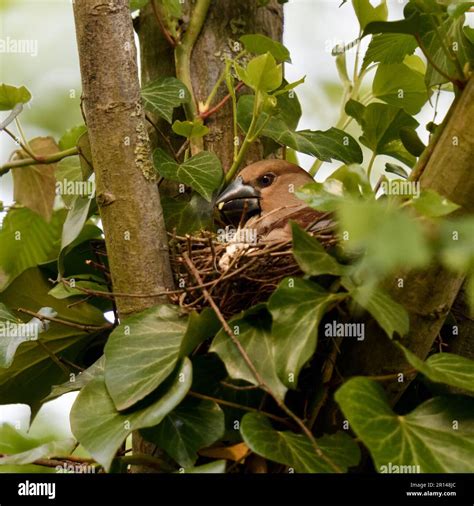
[{"x": 237, "y": 274}]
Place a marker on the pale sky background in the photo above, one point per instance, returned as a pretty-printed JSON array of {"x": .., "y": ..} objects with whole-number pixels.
[{"x": 312, "y": 29}]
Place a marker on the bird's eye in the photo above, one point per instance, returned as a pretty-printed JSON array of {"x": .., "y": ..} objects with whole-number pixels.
[{"x": 266, "y": 180}]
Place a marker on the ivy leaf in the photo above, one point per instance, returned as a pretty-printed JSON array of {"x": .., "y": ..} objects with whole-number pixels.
[
  {"x": 253, "y": 330},
  {"x": 71, "y": 137},
  {"x": 260, "y": 44},
  {"x": 142, "y": 352},
  {"x": 437, "y": 437},
  {"x": 187, "y": 215},
  {"x": 164, "y": 95},
  {"x": 401, "y": 86},
  {"x": 35, "y": 185},
  {"x": 201, "y": 326},
  {"x": 389, "y": 48},
  {"x": 381, "y": 125},
  {"x": 190, "y": 129},
  {"x": 411, "y": 142},
  {"x": 26, "y": 240},
  {"x": 457, "y": 251},
  {"x": 366, "y": 13},
  {"x": 262, "y": 73},
  {"x": 327, "y": 145},
  {"x": 432, "y": 204},
  {"x": 191, "y": 426},
  {"x": 18, "y": 332},
  {"x": 101, "y": 429},
  {"x": 389, "y": 237},
  {"x": 10, "y": 96},
  {"x": 215, "y": 467},
  {"x": 202, "y": 172},
  {"x": 319, "y": 196},
  {"x": 297, "y": 307},
  {"x": 37, "y": 449},
  {"x": 398, "y": 170},
  {"x": 390, "y": 315},
  {"x": 295, "y": 450},
  {"x": 30, "y": 376},
  {"x": 311, "y": 255},
  {"x": 96, "y": 370},
  {"x": 448, "y": 368}
]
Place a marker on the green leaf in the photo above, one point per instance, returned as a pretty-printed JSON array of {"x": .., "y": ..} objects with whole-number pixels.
[
  {"x": 319, "y": 196},
  {"x": 135, "y": 5},
  {"x": 410, "y": 25},
  {"x": 193, "y": 425},
  {"x": 253, "y": 330},
  {"x": 366, "y": 13},
  {"x": 46, "y": 450},
  {"x": 401, "y": 86},
  {"x": 311, "y": 255},
  {"x": 437, "y": 437},
  {"x": 163, "y": 95},
  {"x": 10, "y": 96},
  {"x": 190, "y": 129},
  {"x": 76, "y": 218},
  {"x": 63, "y": 291},
  {"x": 30, "y": 376},
  {"x": 411, "y": 142},
  {"x": 215, "y": 467},
  {"x": 25, "y": 241},
  {"x": 447, "y": 368},
  {"x": 202, "y": 172},
  {"x": 390, "y": 315},
  {"x": 101, "y": 429},
  {"x": 354, "y": 180},
  {"x": 389, "y": 237},
  {"x": 295, "y": 450},
  {"x": 389, "y": 48},
  {"x": 68, "y": 170},
  {"x": 34, "y": 185},
  {"x": 142, "y": 352},
  {"x": 261, "y": 74},
  {"x": 332, "y": 143},
  {"x": 74, "y": 383},
  {"x": 260, "y": 44},
  {"x": 297, "y": 307},
  {"x": 70, "y": 138},
  {"x": 15, "y": 332},
  {"x": 201, "y": 326},
  {"x": 392, "y": 168},
  {"x": 187, "y": 215},
  {"x": 457, "y": 251},
  {"x": 381, "y": 125},
  {"x": 432, "y": 204}
]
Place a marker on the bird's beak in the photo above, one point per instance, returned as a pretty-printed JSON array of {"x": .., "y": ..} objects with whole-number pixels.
[{"x": 237, "y": 198}]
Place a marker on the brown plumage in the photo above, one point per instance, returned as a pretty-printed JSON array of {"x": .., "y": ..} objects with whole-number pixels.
[{"x": 263, "y": 198}]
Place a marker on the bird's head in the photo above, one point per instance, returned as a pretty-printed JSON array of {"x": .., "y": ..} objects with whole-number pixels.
[{"x": 261, "y": 188}]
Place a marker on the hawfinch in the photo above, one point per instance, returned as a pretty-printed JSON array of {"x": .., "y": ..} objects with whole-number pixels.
[{"x": 263, "y": 199}]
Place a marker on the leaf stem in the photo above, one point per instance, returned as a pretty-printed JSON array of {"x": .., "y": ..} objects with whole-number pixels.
[
  {"x": 39, "y": 160},
  {"x": 371, "y": 164}
]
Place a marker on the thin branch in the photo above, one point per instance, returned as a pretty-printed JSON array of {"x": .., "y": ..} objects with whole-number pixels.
[
  {"x": 172, "y": 42},
  {"x": 86, "y": 328},
  {"x": 239, "y": 406}
]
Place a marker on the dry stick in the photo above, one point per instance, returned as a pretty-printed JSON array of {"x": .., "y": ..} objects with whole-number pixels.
[
  {"x": 256, "y": 374},
  {"x": 53, "y": 357},
  {"x": 86, "y": 328},
  {"x": 239, "y": 406}
]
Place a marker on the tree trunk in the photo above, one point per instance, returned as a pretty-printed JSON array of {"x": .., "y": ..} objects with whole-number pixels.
[
  {"x": 226, "y": 22},
  {"x": 127, "y": 193},
  {"x": 428, "y": 295}
]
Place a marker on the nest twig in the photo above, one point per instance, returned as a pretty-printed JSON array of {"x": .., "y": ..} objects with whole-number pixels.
[{"x": 251, "y": 277}]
